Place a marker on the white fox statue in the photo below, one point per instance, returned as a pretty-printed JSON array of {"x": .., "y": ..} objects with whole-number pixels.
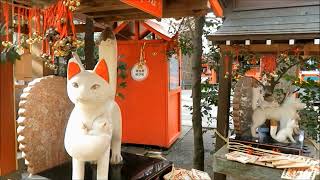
[{"x": 94, "y": 125}]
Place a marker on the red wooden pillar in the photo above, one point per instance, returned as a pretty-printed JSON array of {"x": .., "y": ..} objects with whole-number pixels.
[
  {"x": 7, "y": 120},
  {"x": 8, "y": 161}
]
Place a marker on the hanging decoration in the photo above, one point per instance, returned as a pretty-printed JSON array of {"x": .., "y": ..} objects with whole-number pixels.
[
  {"x": 72, "y": 4},
  {"x": 57, "y": 20},
  {"x": 140, "y": 71},
  {"x": 64, "y": 46},
  {"x": 5, "y": 10},
  {"x": 268, "y": 63},
  {"x": 9, "y": 52},
  {"x": 53, "y": 27}
]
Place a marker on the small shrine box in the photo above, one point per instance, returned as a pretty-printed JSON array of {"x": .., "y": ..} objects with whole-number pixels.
[{"x": 151, "y": 107}]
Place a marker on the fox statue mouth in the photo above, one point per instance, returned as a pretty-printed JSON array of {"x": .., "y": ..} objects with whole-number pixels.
[{"x": 82, "y": 100}]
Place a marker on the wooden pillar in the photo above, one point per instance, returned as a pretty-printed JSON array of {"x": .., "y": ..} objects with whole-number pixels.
[
  {"x": 8, "y": 152},
  {"x": 225, "y": 74},
  {"x": 89, "y": 44},
  {"x": 7, "y": 120}
]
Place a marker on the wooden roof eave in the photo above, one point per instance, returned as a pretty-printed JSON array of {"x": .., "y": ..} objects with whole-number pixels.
[{"x": 223, "y": 37}]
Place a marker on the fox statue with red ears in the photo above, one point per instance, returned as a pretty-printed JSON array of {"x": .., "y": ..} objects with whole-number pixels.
[{"x": 94, "y": 125}]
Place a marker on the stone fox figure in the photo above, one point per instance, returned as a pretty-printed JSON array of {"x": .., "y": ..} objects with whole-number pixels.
[
  {"x": 94, "y": 125},
  {"x": 287, "y": 111}
]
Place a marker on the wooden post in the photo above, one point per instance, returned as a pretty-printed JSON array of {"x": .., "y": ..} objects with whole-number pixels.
[
  {"x": 225, "y": 74},
  {"x": 7, "y": 120},
  {"x": 8, "y": 151},
  {"x": 136, "y": 30},
  {"x": 89, "y": 45}
]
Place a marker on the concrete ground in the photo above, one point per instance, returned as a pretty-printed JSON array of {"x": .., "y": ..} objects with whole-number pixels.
[{"x": 181, "y": 153}]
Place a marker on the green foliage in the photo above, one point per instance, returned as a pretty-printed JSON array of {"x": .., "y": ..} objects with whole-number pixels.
[
  {"x": 185, "y": 44},
  {"x": 209, "y": 98},
  {"x": 309, "y": 94},
  {"x": 8, "y": 53},
  {"x": 122, "y": 76}
]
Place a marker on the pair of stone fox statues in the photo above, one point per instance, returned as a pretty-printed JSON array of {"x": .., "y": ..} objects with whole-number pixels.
[{"x": 286, "y": 114}]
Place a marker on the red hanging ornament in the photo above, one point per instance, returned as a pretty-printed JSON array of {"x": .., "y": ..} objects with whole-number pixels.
[
  {"x": 5, "y": 9},
  {"x": 19, "y": 26},
  {"x": 268, "y": 64}
]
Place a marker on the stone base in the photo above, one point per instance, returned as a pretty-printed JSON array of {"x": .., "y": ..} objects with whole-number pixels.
[{"x": 133, "y": 167}]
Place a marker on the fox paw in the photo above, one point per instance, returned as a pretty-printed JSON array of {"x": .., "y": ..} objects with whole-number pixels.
[{"x": 116, "y": 158}]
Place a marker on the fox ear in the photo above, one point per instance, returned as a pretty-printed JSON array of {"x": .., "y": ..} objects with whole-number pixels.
[
  {"x": 101, "y": 69},
  {"x": 74, "y": 68}
]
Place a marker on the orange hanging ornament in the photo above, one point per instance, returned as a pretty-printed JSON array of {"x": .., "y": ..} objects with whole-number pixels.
[
  {"x": 19, "y": 27},
  {"x": 5, "y": 8},
  {"x": 268, "y": 64}
]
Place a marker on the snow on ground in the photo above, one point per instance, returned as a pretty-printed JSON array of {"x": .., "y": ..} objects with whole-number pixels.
[{"x": 186, "y": 117}]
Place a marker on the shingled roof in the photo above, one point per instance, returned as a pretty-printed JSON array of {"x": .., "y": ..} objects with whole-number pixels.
[{"x": 277, "y": 23}]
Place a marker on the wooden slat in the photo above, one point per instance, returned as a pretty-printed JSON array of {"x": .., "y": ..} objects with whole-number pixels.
[
  {"x": 294, "y": 11},
  {"x": 251, "y": 5}
]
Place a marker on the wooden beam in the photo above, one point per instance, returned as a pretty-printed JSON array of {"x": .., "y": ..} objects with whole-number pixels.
[
  {"x": 176, "y": 9},
  {"x": 136, "y": 30},
  {"x": 216, "y": 7},
  {"x": 223, "y": 104},
  {"x": 127, "y": 12},
  {"x": 98, "y": 6},
  {"x": 273, "y": 48},
  {"x": 142, "y": 15},
  {"x": 120, "y": 27},
  {"x": 243, "y": 37},
  {"x": 144, "y": 34},
  {"x": 156, "y": 32},
  {"x": 89, "y": 44},
  {"x": 82, "y": 18},
  {"x": 80, "y": 28}
]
